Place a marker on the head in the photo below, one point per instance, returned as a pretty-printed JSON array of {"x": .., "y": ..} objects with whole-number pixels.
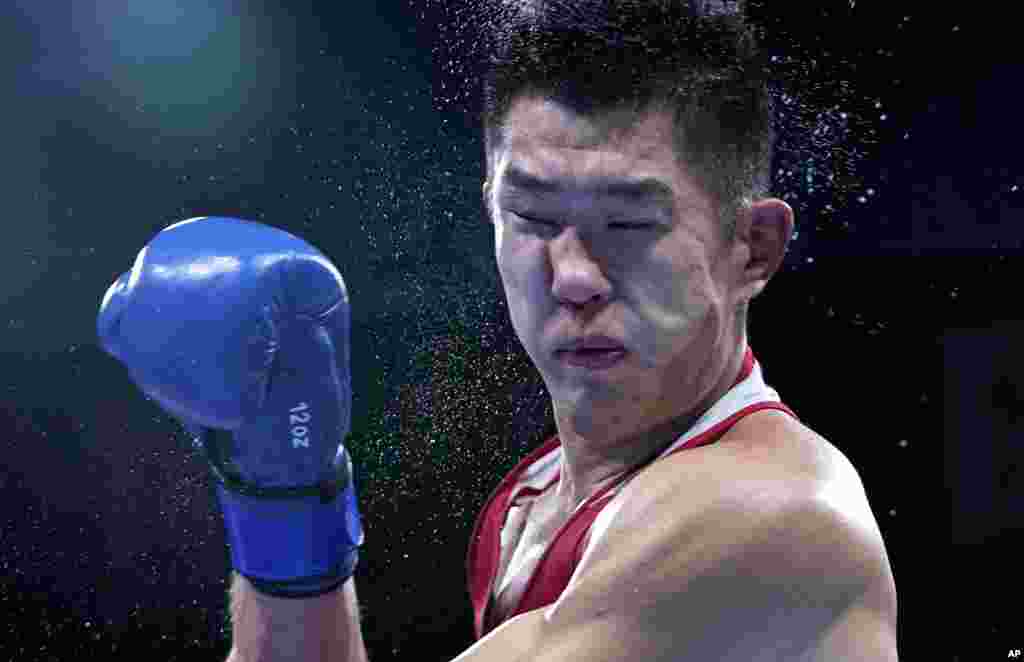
[{"x": 590, "y": 92}]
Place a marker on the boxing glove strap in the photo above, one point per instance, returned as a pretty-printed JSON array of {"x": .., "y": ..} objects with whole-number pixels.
[
  {"x": 296, "y": 545},
  {"x": 289, "y": 542},
  {"x": 308, "y": 588}
]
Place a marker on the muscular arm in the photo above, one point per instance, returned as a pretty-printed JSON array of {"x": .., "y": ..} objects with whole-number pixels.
[{"x": 321, "y": 629}]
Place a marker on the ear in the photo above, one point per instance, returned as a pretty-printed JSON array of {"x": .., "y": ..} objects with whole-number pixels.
[{"x": 766, "y": 229}]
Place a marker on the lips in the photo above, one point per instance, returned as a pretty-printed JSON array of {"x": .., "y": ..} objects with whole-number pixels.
[
  {"x": 591, "y": 343},
  {"x": 592, "y": 359}
]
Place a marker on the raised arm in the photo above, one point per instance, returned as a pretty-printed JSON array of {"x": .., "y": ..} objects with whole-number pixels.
[{"x": 320, "y": 629}]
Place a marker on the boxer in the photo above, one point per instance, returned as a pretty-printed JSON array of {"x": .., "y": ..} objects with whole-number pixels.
[{"x": 682, "y": 511}]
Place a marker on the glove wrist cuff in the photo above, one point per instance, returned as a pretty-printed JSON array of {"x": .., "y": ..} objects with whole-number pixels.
[
  {"x": 310, "y": 588},
  {"x": 302, "y": 542}
]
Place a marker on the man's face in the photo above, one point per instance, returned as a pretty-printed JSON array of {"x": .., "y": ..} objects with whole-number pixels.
[{"x": 642, "y": 269}]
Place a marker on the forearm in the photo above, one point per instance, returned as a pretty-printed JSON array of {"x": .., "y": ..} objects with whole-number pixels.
[{"x": 320, "y": 629}]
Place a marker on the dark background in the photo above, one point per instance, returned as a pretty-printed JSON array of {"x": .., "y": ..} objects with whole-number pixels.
[{"x": 891, "y": 329}]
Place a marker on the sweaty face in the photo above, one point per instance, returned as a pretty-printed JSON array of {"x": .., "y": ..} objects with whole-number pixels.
[{"x": 599, "y": 231}]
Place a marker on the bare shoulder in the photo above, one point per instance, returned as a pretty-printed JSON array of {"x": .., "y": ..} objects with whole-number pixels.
[
  {"x": 773, "y": 443},
  {"x": 765, "y": 470},
  {"x": 773, "y": 446},
  {"x": 805, "y": 455},
  {"x": 775, "y": 440},
  {"x": 764, "y": 454},
  {"x": 711, "y": 518},
  {"x": 867, "y": 628},
  {"x": 700, "y": 546}
]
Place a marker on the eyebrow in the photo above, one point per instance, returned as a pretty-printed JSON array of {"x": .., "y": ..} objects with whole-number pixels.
[{"x": 636, "y": 191}]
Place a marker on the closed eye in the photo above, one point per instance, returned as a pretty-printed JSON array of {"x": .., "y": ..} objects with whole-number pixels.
[
  {"x": 535, "y": 221},
  {"x": 631, "y": 226},
  {"x": 614, "y": 226}
]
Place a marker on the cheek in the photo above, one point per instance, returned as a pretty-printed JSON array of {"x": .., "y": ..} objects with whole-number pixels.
[
  {"x": 521, "y": 280},
  {"x": 510, "y": 259},
  {"x": 672, "y": 305}
]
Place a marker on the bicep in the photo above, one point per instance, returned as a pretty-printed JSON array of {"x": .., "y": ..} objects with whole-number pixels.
[
  {"x": 864, "y": 634},
  {"x": 532, "y": 637},
  {"x": 517, "y": 639},
  {"x": 868, "y": 630},
  {"x": 735, "y": 625},
  {"x": 743, "y": 584},
  {"x": 752, "y": 585}
]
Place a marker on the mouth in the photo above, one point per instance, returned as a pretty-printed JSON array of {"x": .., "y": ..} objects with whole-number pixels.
[
  {"x": 592, "y": 358},
  {"x": 593, "y": 351},
  {"x": 592, "y": 343}
]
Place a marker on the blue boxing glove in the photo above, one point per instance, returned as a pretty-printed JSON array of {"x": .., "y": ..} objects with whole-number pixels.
[{"x": 241, "y": 332}]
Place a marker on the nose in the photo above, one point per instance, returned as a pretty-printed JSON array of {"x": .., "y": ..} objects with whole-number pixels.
[{"x": 578, "y": 278}]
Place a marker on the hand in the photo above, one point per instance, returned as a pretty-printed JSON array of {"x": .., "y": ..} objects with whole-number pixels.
[{"x": 241, "y": 331}]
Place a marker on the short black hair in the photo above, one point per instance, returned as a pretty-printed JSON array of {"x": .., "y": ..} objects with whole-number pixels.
[{"x": 697, "y": 59}]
